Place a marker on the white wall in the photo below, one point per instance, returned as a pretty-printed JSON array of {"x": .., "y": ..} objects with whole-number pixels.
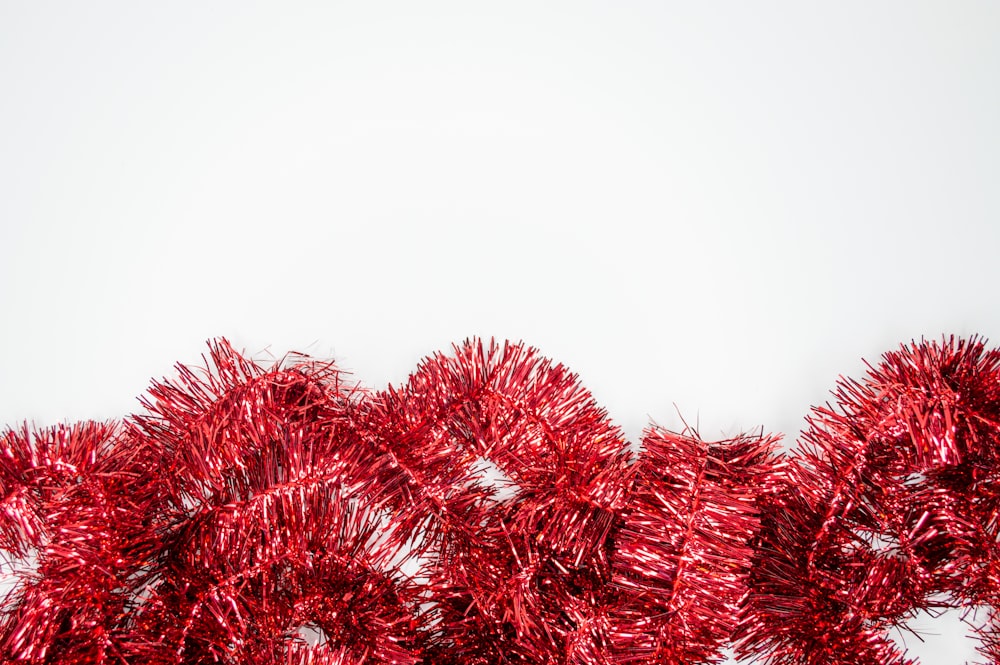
[{"x": 721, "y": 206}]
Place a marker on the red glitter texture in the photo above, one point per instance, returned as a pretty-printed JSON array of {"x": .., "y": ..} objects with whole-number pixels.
[
  {"x": 684, "y": 551},
  {"x": 489, "y": 512},
  {"x": 273, "y": 540},
  {"x": 518, "y": 573},
  {"x": 890, "y": 506},
  {"x": 79, "y": 505}
]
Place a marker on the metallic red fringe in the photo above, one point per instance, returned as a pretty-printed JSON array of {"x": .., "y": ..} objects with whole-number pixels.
[{"x": 489, "y": 512}]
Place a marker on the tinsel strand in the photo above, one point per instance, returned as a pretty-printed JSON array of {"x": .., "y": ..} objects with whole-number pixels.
[{"x": 489, "y": 512}]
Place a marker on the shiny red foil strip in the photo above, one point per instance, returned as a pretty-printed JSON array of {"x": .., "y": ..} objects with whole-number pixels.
[{"x": 489, "y": 512}]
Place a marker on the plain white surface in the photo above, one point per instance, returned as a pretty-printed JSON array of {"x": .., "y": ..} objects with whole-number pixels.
[{"x": 721, "y": 206}]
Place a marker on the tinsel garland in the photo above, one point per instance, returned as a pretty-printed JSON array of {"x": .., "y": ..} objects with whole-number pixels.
[{"x": 489, "y": 512}]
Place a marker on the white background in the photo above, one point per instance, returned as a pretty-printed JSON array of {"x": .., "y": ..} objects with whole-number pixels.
[{"x": 718, "y": 206}]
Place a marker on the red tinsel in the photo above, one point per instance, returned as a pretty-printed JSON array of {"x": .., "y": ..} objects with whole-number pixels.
[
  {"x": 489, "y": 512},
  {"x": 889, "y": 506}
]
